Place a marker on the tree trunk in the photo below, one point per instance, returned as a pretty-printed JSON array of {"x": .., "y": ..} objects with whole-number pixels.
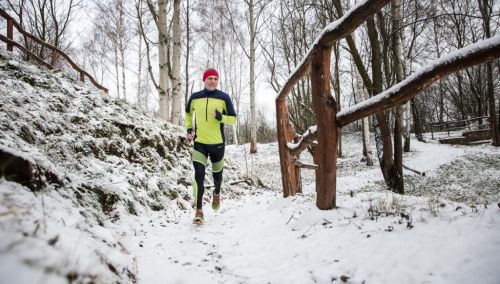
[
  {"x": 392, "y": 176},
  {"x": 253, "y": 132},
  {"x": 396, "y": 49},
  {"x": 117, "y": 72},
  {"x": 139, "y": 67},
  {"x": 495, "y": 131},
  {"x": 122, "y": 61},
  {"x": 417, "y": 125},
  {"x": 437, "y": 45},
  {"x": 406, "y": 127},
  {"x": 361, "y": 95},
  {"x": 163, "y": 59},
  {"x": 176, "y": 65},
  {"x": 188, "y": 50}
]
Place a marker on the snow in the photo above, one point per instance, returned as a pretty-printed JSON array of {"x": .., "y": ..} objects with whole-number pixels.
[
  {"x": 444, "y": 230},
  {"x": 311, "y": 129}
]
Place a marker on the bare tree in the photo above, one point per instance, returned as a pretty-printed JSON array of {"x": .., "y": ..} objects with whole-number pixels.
[
  {"x": 112, "y": 21},
  {"x": 255, "y": 12}
]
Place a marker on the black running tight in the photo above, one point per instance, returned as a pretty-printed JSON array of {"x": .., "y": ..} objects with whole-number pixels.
[{"x": 201, "y": 153}]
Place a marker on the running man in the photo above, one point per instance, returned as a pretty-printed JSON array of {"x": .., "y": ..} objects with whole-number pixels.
[{"x": 213, "y": 109}]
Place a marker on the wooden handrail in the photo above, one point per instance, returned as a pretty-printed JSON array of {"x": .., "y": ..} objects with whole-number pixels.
[
  {"x": 30, "y": 54},
  {"x": 10, "y": 42},
  {"x": 471, "y": 55}
]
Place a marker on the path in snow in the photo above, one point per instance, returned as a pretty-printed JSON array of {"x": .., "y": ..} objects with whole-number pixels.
[{"x": 263, "y": 238}]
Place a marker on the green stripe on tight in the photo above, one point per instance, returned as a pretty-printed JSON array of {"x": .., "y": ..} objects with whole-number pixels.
[
  {"x": 217, "y": 167},
  {"x": 199, "y": 157}
]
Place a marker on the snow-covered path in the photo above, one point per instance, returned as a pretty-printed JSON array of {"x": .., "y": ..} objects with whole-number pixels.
[
  {"x": 270, "y": 240},
  {"x": 263, "y": 238}
]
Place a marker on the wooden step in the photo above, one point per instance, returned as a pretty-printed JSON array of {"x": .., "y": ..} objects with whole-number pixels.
[
  {"x": 454, "y": 140},
  {"x": 477, "y": 135}
]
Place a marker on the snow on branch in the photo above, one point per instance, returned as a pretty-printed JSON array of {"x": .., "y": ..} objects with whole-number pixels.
[
  {"x": 330, "y": 34},
  {"x": 307, "y": 138},
  {"x": 471, "y": 55}
]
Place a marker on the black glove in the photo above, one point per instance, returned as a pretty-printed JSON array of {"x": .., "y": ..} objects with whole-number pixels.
[{"x": 218, "y": 115}]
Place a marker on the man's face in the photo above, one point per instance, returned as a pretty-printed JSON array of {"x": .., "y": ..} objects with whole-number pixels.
[{"x": 211, "y": 82}]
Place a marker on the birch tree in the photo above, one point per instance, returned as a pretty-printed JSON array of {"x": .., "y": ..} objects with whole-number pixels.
[
  {"x": 113, "y": 22},
  {"x": 176, "y": 65},
  {"x": 254, "y": 18},
  {"x": 160, "y": 19}
]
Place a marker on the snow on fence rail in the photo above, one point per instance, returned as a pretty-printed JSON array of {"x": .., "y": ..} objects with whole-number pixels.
[
  {"x": 329, "y": 122},
  {"x": 9, "y": 39}
]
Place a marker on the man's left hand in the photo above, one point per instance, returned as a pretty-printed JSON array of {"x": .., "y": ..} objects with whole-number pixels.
[{"x": 217, "y": 115}]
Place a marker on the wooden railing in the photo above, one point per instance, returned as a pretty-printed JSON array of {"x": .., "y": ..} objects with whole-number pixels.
[
  {"x": 458, "y": 124},
  {"x": 9, "y": 39},
  {"x": 329, "y": 121}
]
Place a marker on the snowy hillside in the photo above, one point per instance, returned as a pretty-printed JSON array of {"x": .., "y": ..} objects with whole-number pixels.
[
  {"x": 86, "y": 161},
  {"x": 106, "y": 199}
]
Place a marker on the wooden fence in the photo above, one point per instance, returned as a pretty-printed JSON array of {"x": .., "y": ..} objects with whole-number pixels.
[
  {"x": 329, "y": 121},
  {"x": 55, "y": 52},
  {"x": 458, "y": 124}
]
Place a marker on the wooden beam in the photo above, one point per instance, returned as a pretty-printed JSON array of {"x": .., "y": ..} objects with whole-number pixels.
[
  {"x": 474, "y": 54},
  {"x": 325, "y": 109}
]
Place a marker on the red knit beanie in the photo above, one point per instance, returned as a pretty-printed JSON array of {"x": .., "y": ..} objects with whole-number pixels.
[{"x": 210, "y": 72}]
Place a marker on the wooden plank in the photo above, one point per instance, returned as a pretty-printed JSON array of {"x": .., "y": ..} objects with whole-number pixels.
[{"x": 325, "y": 109}]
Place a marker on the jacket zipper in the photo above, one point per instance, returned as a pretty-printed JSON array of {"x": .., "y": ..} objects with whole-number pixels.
[{"x": 206, "y": 111}]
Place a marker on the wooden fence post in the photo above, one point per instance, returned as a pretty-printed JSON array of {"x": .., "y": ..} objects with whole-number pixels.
[
  {"x": 285, "y": 135},
  {"x": 53, "y": 60},
  {"x": 10, "y": 34},
  {"x": 325, "y": 109}
]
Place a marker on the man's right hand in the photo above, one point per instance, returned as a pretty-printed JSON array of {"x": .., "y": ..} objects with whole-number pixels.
[{"x": 189, "y": 136}]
